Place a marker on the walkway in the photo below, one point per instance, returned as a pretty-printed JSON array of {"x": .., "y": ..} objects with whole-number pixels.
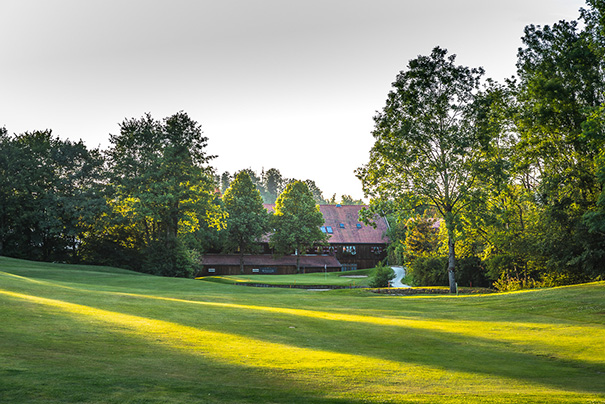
[{"x": 396, "y": 281}]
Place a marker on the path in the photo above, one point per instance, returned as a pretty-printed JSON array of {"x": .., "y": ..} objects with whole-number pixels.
[{"x": 396, "y": 281}]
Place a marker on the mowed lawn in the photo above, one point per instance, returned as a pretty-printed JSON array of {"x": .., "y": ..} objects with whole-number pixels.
[{"x": 102, "y": 335}]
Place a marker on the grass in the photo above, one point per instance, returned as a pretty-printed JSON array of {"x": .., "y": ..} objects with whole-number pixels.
[
  {"x": 359, "y": 277},
  {"x": 102, "y": 335}
]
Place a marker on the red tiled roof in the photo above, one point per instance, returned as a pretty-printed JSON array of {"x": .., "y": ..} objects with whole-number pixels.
[
  {"x": 308, "y": 261},
  {"x": 348, "y": 216}
]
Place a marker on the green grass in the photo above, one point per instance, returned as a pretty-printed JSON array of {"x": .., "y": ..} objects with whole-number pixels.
[
  {"x": 348, "y": 278},
  {"x": 102, "y": 335}
]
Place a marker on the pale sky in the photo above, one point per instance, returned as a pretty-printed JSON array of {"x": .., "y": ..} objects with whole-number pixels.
[{"x": 274, "y": 83}]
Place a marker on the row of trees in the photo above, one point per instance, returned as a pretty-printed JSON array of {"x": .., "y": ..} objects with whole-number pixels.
[
  {"x": 271, "y": 184},
  {"x": 294, "y": 224},
  {"x": 514, "y": 170},
  {"x": 151, "y": 202}
]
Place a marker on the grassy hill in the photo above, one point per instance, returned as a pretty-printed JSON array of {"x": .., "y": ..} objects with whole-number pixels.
[{"x": 103, "y": 335}]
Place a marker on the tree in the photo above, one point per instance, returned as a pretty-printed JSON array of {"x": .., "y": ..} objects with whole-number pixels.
[
  {"x": 247, "y": 219},
  {"x": 561, "y": 92},
  {"x": 425, "y": 140},
  {"x": 162, "y": 182},
  {"x": 296, "y": 221},
  {"x": 422, "y": 238},
  {"x": 225, "y": 181},
  {"x": 273, "y": 183},
  {"x": 315, "y": 191},
  {"x": 50, "y": 191}
]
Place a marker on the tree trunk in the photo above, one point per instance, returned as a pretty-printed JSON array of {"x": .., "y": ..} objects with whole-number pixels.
[
  {"x": 241, "y": 261},
  {"x": 451, "y": 262}
]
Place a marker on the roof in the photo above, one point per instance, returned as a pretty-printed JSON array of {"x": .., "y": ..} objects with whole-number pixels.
[
  {"x": 346, "y": 227},
  {"x": 308, "y": 261}
]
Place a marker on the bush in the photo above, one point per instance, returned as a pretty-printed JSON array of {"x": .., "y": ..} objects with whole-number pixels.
[
  {"x": 382, "y": 276},
  {"x": 471, "y": 271},
  {"x": 432, "y": 271},
  {"x": 429, "y": 271},
  {"x": 168, "y": 257}
]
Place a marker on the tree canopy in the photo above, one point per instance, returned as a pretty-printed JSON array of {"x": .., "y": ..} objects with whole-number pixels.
[
  {"x": 425, "y": 140},
  {"x": 247, "y": 218},
  {"x": 296, "y": 221}
]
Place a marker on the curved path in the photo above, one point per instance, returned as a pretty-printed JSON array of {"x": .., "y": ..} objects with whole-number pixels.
[{"x": 396, "y": 281}]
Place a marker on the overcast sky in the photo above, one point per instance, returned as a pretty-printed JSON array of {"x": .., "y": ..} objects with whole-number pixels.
[{"x": 274, "y": 83}]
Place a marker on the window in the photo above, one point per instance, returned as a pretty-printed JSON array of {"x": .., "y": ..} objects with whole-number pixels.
[
  {"x": 349, "y": 249},
  {"x": 342, "y": 225},
  {"x": 359, "y": 225},
  {"x": 323, "y": 229},
  {"x": 329, "y": 230},
  {"x": 349, "y": 267},
  {"x": 211, "y": 269},
  {"x": 255, "y": 270}
]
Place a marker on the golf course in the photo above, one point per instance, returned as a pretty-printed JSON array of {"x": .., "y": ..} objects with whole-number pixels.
[{"x": 86, "y": 334}]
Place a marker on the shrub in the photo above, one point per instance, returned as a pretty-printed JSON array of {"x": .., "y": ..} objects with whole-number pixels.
[
  {"x": 429, "y": 271},
  {"x": 432, "y": 271},
  {"x": 382, "y": 276}
]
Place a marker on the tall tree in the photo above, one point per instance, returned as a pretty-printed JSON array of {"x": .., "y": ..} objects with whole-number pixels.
[
  {"x": 273, "y": 183},
  {"x": 247, "y": 219},
  {"x": 425, "y": 140},
  {"x": 225, "y": 181},
  {"x": 163, "y": 182},
  {"x": 296, "y": 220},
  {"x": 50, "y": 191},
  {"x": 561, "y": 92}
]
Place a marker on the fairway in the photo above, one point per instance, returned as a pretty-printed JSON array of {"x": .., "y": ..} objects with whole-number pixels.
[{"x": 104, "y": 335}]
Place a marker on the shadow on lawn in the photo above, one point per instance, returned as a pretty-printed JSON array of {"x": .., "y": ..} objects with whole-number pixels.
[{"x": 447, "y": 350}]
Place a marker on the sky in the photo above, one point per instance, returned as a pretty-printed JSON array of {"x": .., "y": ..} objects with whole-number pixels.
[{"x": 283, "y": 84}]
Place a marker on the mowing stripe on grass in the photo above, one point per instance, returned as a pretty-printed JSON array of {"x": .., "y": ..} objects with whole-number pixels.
[
  {"x": 339, "y": 374},
  {"x": 563, "y": 341}
]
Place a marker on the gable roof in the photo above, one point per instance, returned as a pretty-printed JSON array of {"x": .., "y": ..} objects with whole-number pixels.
[{"x": 346, "y": 226}]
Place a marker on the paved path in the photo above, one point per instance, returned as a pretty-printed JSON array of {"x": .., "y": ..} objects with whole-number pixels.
[{"x": 396, "y": 281}]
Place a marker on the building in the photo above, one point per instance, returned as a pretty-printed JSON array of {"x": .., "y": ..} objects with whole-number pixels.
[{"x": 351, "y": 245}]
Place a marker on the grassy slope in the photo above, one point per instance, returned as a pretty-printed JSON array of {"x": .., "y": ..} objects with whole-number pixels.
[
  {"x": 313, "y": 279},
  {"x": 99, "y": 335}
]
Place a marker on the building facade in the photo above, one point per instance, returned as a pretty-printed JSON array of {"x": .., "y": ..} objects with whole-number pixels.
[{"x": 351, "y": 245}]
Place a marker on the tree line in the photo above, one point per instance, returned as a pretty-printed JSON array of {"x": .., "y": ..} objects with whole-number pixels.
[
  {"x": 271, "y": 184},
  {"x": 498, "y": 182},
  {"x": 151, "y": 202}
]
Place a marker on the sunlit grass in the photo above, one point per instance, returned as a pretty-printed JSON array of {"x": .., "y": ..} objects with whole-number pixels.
[
  {"x": 72, "y": 335},
  {"x": 349, "y": 278},
  {"x": 300, "y": 364}
]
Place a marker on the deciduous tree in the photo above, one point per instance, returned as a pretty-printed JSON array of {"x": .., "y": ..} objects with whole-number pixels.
[
  {"x": 296, "y": 221},
  {"x": 425, "y": 140},
  {"x": 247, "y": 219}
]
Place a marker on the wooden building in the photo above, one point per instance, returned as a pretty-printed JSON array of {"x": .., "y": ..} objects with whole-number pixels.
[
  {"x": 266, "y": 264},
  {"x": 351, "y": 245}
]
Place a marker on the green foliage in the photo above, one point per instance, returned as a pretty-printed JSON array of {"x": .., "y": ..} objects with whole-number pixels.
[
  {"x": 425, "y": 140},
  {"x": 169, "y": 258},
  {"x": 163, "y": 189},
  {"x": 273, "y": 184},
  {"x": 296, "y": 221},
  {"x": 429, "y": 271},
  {"x": 50, "y": 193},
  {"x": 382, "y": 276},
  {"x": 247, "y": 219},
  {"x": 422, "y": 238}
]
